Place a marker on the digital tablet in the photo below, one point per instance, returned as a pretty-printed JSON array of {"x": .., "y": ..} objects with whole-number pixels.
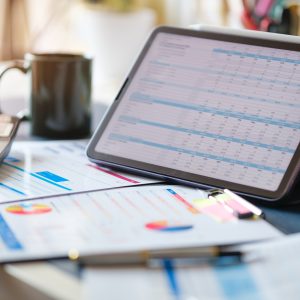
[{"x": 210, "y": 109}]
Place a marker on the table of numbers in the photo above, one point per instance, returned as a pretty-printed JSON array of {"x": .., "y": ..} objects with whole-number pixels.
[{"x": 219, "y": 109}]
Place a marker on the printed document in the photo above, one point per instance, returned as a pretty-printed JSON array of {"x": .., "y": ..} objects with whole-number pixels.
[
  {"x": 40, "y": 169},
  {"x": 271, "y": 273},
  {"x": 138, "y": 218}
]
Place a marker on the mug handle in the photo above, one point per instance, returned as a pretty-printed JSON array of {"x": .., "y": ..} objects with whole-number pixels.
[
  {"x": 16, "y": 64},
  {"x": 20, "y": 65}
]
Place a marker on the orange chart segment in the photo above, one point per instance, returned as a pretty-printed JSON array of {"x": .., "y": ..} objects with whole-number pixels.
[
  {"x": 28, "y": 208},
  {"x": 163, "y": 225},
  {"x": 189, "y": 206}
]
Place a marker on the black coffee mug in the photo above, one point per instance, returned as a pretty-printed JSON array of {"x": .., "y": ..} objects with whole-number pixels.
[{"x": 60, "y": 93}]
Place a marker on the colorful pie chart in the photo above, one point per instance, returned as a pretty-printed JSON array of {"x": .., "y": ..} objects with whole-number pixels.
[
  {"x": 28, "y": 208},
  {"x": 164, "y": 225}
]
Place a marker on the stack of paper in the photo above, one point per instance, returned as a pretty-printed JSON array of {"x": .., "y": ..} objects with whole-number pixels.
[
  {"x": 55, "y": 203},
  {"x": 270, "y": 272},
  {"x": 118, "y": 220},
  {"x": 72, "y": 208}
]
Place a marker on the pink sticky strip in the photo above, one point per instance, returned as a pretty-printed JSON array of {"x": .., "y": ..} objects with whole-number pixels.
[{"x": 237, "y": 206}]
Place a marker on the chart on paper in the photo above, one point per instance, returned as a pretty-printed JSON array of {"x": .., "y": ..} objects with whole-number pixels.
[
  {"x": 41, "y": 169},
  {"x": 219, "y": 109},
  {"x": 134, "y": 218}
]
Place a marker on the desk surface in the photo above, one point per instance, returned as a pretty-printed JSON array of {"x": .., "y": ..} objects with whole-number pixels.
[{"x": 285, "y": 218}]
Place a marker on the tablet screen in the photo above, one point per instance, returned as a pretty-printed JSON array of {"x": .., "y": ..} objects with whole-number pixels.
[{"x": 224, "y": 110}]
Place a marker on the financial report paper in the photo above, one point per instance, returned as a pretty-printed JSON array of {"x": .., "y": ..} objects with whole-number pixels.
[
  {"x": 273, "y": 276},
  {"x": 134, "y": 218},
  {"x": 40, "y": 169}
]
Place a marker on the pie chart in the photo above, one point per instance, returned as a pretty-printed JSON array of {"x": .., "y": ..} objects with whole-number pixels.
[
  {"x": 28, "y": 208},
  {"x": 164, "y": 225}
]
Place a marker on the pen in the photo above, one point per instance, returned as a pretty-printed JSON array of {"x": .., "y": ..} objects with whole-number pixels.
[
  {"x": 238, "y": 210},
  {"x": 148, "y": 258}
]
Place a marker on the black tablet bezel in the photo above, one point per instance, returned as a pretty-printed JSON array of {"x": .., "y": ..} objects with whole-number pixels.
[{"x": 181, "y": 176}]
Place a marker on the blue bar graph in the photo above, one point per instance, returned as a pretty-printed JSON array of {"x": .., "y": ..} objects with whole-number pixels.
[
  {"x": 37, "y": 176},
  {"x": 51, "y": 176},
  {"x": 8, "y": 237},
  {"x": 171, "y": 278}
]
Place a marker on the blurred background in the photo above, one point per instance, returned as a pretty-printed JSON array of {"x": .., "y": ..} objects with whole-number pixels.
[{"x": 113, "y": 31}]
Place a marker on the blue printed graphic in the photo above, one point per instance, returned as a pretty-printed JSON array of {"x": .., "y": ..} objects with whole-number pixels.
[
  {"x": 52, "y": 176},
  {"x": 8, "y": 237},
  {"x": 237, "y": 282}
]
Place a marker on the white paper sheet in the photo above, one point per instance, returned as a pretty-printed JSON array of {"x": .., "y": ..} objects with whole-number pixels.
[
  {"x": 39, "y": 169},
  {"x": 273, "y": 275},
  {"x": 133, "y": 283},
  {"x": 119, "y": 220}
]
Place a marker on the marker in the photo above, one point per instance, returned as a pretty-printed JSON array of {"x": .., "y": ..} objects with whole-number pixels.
[
  {"x": 233, "y": 207},
  {"x": 243, "y": 203}
]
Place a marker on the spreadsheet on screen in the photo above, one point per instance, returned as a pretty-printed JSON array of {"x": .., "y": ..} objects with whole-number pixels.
[{"x": 219, "y": 109}]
